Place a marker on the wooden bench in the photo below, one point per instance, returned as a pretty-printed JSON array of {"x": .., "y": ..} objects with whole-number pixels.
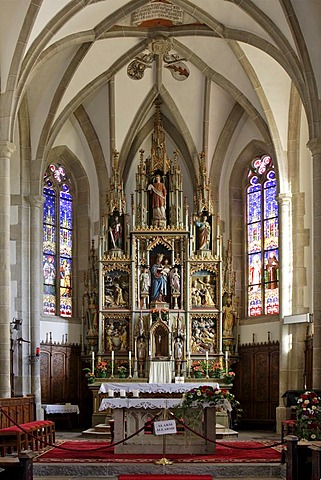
[{"x": 32, "y": 435}]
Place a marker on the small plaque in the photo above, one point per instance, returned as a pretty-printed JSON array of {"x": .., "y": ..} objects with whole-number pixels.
[{"x": 165, "y": 427}]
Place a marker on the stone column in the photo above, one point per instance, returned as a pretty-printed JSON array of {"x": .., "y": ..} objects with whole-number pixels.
[
  {"x": 285, "y": 277},
  {"x": 6, "y": 150},
  {"x": 315, "y": 146},
  {"x": 36, "y": 283}
]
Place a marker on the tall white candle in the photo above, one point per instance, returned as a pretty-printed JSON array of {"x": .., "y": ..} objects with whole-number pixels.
[
  {"x": 135, "y": 350},
  {"x": 92, "y": 362},
  {"x": 112, "y": 355},
  {"x": 129, "y": 356},
  {"x": 206, "y": 354}
]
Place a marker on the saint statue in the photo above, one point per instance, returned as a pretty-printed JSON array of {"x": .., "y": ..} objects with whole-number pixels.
[
  {"x": 204, "y": 233},
  {"x": 175, "y": 281},
  {"x": 158, "y": 192},
  {"x": 159, "y": 278},
  {"x": 115, "y": 232},
  {"x": 228, "y": 318}
]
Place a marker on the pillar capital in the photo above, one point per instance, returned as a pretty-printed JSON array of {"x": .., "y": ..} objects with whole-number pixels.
[
  {"x": 314, "y": 145},
  {"x": 284, "y": 199},
  {"x": 36, "y": 201},
  {"x": 6, "y": 148}
]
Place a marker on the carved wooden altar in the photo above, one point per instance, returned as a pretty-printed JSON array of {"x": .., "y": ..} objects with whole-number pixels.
[{"x": 160, "y": 289}]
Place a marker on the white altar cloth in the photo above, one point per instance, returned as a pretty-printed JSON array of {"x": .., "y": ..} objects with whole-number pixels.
[
  {"x": 130, "y": 387},
  {"x": 160, "y": 372},
  {"x": 51, "y": 409},
  {"x": 139, "y": 403}
]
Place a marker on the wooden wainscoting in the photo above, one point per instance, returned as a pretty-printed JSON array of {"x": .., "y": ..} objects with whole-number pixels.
[
  {"x": 257, "y": 384},
  {"x": 19, "y": 409}
]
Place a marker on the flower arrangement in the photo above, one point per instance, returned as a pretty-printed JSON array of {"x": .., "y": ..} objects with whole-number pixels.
[
  {"x": 308, "y": 416},
  {"x": 209, "y": 396},
  {"x": 197, "y": 366},
  {"x": 101, "y": 369},
  {"x": 215, "y": 370},
  {"x": 122, "y": 369}
]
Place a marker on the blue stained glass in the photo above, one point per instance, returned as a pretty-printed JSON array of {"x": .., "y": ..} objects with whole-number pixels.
[
  {"x": 65, "y": 213},
  {"x": 270, "y": 203},
  {"x": 254, "y": 207}
]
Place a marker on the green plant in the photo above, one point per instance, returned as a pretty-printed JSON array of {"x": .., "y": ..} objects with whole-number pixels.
[{"x": 89, "y": 375}]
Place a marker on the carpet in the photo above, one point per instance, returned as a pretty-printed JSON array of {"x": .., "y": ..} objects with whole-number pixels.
[
  {"x": 165, "y": 477},
  {"x": 83, "y": 451}
]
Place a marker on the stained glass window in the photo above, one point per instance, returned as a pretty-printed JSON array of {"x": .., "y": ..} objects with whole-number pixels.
[
  {"x": 262, "y": 238},
  {"x": 57, "y": 242}
]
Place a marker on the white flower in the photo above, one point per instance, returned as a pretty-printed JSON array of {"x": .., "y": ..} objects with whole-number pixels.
[{"x": 313, "y": 437}]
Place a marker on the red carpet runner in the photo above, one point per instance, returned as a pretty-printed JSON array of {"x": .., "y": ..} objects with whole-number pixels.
[
  {"x": 96, "y": 452},
  {"x": 165, "y": 477}
]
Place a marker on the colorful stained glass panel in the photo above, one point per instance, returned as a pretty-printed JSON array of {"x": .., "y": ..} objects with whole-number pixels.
[
  {"x": 271, "y": 234},
  {"x": 254, "y": 237}
]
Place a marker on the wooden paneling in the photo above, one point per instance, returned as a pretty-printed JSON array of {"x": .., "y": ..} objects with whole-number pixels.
[
  {"x": 62, "y": 378},
  {"x": 17, "y": 409},
  {"x": 257, "y": 383}
]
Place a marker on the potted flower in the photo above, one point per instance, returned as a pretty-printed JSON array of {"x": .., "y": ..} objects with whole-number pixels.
[
  {"x": 197, "y": 368},
  {"x": 215, "y": 369},
  {"x": 122, "y": 370},
  {"x": 228, "y": 377},
  {"x": 89, "y": 375},
  {"x": 308, "y": 416},
  {"x": 101, "y": 369}
]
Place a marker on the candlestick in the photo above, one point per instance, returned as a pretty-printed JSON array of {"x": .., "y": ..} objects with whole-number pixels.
[
  {"x": 226, "y": 361},
  {"x": 93, "y": 362},
  {"x": 135, "y": 349},
  {"x": 206, "y": 356},
  {"x": 112, "y": 362},
  {"x": 130, "y": 364}
]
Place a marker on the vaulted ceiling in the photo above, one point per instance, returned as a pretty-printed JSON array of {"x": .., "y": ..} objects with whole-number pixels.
[{"x": 85, "y": 74}]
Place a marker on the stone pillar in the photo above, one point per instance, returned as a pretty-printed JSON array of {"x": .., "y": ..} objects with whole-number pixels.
[
  {"x": 36, "y": 283},
  {"x": 6, "y": 150},
  {"x": 285, "y": 278},
  {"x": 315, "y": 146}
]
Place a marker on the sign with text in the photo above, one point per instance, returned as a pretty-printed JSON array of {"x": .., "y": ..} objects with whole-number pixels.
[{"x": 165, "y": 427}]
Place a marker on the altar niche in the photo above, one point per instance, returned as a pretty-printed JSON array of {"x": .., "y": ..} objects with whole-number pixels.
[{"x": 160, "y": 341}]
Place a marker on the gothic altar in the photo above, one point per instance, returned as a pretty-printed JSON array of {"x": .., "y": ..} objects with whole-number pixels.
[{"x": 160, "y": 293}]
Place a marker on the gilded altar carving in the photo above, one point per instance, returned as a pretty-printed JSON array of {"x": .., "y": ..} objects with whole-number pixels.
[{"x": 166, "y": 286}]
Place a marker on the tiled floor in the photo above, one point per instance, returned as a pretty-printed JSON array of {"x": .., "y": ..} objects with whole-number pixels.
[{"x": 243, "y": 435}]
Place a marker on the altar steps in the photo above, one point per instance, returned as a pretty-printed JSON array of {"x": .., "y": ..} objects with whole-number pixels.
[{"x": 103, "y": 431}]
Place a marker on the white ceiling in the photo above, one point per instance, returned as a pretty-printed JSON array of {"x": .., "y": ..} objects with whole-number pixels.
[{"x": 66, "y": 54}]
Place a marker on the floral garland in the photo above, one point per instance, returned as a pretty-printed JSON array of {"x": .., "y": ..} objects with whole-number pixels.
[
  {"x": 209, "y": 396},
  {"x": 308, "y": 416}
]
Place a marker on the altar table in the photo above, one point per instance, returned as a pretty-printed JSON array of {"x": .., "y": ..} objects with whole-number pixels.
[
  {"x": 61, "y": 413},
  {"x": 150, "y": 388},
  {"x": 130, "y": 414}
]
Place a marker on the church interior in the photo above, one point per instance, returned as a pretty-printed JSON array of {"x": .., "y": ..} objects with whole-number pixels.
[{"x": 159, "y": 205}]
